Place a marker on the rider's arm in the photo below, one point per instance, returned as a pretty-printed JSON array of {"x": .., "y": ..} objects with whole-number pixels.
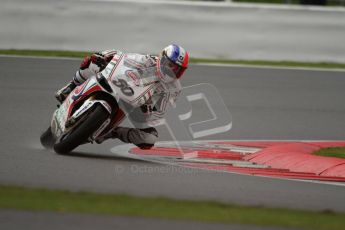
[
  {"x": 161, "y": 100},
  {"x": 93, "y": 64}
]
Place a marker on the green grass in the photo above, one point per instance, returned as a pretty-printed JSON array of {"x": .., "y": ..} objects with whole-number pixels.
[
  {"x": 268, "y": 1},
  {"x": 80, "y": 54},
  {"x": 286, "y": 2},
  {"x": 45, "y": 53},
  {"x": 84, "y": 202},
  {"x": 332, "y": 152},
  {"x": 324, "y": 65}
]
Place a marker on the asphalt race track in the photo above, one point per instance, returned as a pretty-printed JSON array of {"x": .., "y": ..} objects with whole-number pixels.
[
  {"x": 264, "y": 104},
  {"x": 11, "y": 219}
]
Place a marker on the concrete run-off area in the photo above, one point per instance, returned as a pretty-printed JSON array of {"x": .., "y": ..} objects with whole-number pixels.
[
  {"x": 211, "y": 30},
  {"x": 281, "y": 159}
]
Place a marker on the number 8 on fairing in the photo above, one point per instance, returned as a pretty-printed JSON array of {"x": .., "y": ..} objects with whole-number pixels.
[{"x": 125, "y": 89}]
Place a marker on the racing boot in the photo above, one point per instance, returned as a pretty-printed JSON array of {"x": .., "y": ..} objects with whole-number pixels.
[
  {"x": 61, "y": 94},
  {"x": 111, "y": 135}
]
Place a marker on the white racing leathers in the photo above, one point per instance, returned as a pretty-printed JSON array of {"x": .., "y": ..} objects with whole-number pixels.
[{"x": 145, "y": 97}]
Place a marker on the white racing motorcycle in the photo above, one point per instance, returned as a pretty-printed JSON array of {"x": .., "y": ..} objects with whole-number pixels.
[{"x": 92, "y": 109}]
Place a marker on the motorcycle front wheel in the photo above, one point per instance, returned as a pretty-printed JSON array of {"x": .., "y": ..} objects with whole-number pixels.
[
  {"x": 47, "y": 139},
  {"x": 83, "y": 131}
]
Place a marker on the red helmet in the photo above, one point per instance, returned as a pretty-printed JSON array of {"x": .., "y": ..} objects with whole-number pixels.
[{"x": 172, "y": 62}]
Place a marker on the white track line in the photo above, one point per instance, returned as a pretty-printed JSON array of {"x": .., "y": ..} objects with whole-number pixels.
[
  {"x": 272, "y": 67},
  {"x": 197, "y": 64},
  {"x": 39, "y": 57},
  {"x": 227, "y": 4}
]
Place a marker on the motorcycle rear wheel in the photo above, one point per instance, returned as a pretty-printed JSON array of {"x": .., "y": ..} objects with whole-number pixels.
[{"x": 83, "y": 131}]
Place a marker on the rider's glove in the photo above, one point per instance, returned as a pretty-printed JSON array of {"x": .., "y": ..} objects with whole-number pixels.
[
  {"x": 96, "y": 62},
  {"x": 99, "y": 60},
  {"x": 85, "y": 63}
]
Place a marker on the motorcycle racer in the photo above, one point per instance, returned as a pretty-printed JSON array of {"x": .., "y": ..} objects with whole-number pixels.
[{"x": 168, "y": 67}]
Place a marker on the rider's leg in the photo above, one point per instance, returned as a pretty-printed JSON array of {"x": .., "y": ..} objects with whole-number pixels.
[
  {"x": 87, "y": 69},
  {"x": 143, "y": 138}
]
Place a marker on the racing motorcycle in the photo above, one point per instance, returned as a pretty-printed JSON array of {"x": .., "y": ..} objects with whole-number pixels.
[{"x": 92, "y": 109}]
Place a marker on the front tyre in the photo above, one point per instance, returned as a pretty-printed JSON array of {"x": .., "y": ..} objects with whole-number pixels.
[
  {"x": 83, "y": 131},
  {"x": 47, "y": 139}
]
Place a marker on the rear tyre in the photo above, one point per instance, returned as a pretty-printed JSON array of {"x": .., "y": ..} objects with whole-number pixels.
[
  {"x": 47, "y": 139},
  {"x": 83, "y": 131}
]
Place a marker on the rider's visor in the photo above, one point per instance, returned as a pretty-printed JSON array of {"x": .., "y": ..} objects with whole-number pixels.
[{"x": 170, "y": 68}]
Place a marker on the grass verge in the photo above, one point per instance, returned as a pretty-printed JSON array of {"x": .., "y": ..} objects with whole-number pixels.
[
  {"x": 323, "y": 65},
  {"x": 332, "y": 152},
  {"x": 295, "y": 2},
  {"x": 80, "y": 54},
  {"x": 45, "y": 53},
  {"x": 269, "y": 1},
  {"x": 84, "y": 202}
]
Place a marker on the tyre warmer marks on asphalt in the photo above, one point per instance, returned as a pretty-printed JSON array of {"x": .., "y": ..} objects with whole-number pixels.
[{"x": 283, "y": 159}]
